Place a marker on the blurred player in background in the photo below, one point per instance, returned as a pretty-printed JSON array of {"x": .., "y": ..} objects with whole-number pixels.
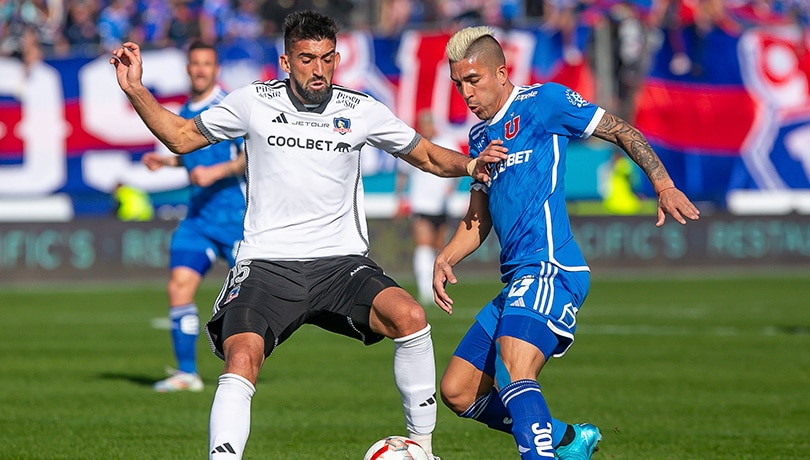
[
  {"x": 212, "y": 228},
  {"x": 492, "y": 376},
  {"x": 303, "y": 259},
  {"x": 426, "y": 202}
]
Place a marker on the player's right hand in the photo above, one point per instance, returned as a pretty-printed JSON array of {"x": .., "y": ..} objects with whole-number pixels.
[
  {"x": 494, "y": 153},
  {"x": 128, "y": 65}
]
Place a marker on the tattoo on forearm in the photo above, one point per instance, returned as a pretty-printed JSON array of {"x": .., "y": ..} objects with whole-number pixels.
[{"x": 632, "y": 141}]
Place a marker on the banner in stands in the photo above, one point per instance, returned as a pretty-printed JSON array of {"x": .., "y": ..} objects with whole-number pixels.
[
  {"x": 738, "y": 117},
  {"x": 741, "y": 119}
]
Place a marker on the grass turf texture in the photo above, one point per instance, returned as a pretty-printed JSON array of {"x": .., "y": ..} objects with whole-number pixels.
[{"x": 668, "y": 368}]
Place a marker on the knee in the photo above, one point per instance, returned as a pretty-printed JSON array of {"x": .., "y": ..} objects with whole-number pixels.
[
  {"x": 407, "y": 321},
  {"x": 243, "y": 358},
  {"x": 455, "y": 396},
  {"x": 179, "y": 290},
  {"x": 414, "y": 318}
]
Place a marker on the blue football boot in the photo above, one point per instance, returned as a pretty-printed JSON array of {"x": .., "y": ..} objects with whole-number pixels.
[{"x": 584, "y": 444}]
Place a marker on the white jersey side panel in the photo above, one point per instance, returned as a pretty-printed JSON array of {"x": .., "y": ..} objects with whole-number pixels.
[{"x": 305, "y": 195}]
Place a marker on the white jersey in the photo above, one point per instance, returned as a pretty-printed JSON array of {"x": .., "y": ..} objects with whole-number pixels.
[
  {"x": 304, "y": 190},
  {"x": 429, "y": 194}
]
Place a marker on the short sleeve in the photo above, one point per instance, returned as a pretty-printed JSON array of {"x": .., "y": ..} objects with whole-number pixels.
[
  {"x": 565, "y": 112},
  {"x": 230, "y": 118},
  {"x": 387, "y": 132}
]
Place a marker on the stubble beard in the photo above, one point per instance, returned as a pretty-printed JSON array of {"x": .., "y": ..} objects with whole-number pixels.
[{"x": 312, "y": 97}]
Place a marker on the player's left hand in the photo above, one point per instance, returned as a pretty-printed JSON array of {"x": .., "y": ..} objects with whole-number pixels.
[
  {"x": 673, "y": 202},
  {"x": 443, "y": 274},
  {"x": 495, "y": 152}
]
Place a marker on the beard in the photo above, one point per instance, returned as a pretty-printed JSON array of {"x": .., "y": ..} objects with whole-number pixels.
[{"x": 310, "y": 96}]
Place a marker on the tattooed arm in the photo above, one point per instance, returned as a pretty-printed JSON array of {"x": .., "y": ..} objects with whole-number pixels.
[{"x": 670, "y": 200}]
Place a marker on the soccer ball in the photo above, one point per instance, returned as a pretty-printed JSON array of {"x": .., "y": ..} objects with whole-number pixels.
[{"x": 396, "y": 448}]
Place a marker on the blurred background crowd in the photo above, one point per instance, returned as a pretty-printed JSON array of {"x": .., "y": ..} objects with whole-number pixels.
[{"x": 90, "y": 27}]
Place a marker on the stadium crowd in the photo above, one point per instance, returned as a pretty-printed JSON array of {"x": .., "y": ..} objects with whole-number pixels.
[{"x": 89, "y": 27}]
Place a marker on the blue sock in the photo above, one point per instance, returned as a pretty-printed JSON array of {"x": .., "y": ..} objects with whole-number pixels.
[
  {"x": 557, "y": 431},
  {"x": 185, "y": 329},
  {"x": 489, "y": 410},
  {"x": 531, "y": 419}
]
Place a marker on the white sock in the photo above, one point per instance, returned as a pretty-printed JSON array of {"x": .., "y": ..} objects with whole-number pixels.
[
  {"x": 424, "y": 440},
  {"x": 423, "y": 257},
  {"x": 229, "y": 425},
  {"x": 415, "y": 377}
]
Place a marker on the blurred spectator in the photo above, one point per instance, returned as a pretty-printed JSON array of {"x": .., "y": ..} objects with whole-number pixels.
[
  {"x": 339, "y": 10},
  {"x": 471, "y": 12},
  {"x": 511, "y": 12},
  {"x": 563, "y": 16},
  {"x": 45, "y": 17},
  {"x": 31, "y": 50},
  {"x": 132, "y": 204},
  {"x": 616, "y": 179},
  {"x": 395, "y": 15},
  {"x": 154, "y": 22},
  {"x": 426, "y": 203},
  {"x": 244, "y": 22},
  {"x": 184, "y": 24},
  {"x": 677, "y": 17},
  {"x": 273, "y": 12},
  {"x": 80, "y": 35},
  {"x": 214, "y": 17},
  {"x": 534, "y": 8},
  {"x": 116, "y": 23},
  {"x": 631, "y": 57}
]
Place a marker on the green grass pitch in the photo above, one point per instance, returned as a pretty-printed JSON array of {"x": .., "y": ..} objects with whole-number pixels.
[{"x": 667, "y": 367}]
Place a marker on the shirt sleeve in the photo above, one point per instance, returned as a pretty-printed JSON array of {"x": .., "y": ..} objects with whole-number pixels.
[
  {"x": 389, "y": 133},
  {"x": 229, "y": 119},
  {"x": 565, "y": 112}
]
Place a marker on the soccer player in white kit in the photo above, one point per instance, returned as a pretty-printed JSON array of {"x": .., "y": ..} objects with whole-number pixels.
[
  {"x": 304, "y": 259},
  {"x": 426, "y": 198}
]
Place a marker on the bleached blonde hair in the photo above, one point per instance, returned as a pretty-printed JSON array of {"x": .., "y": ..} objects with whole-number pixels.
[{"x": 460, "y": 42}]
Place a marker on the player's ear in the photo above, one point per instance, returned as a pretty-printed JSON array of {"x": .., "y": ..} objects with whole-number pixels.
[
  {"x": 337, "y": 58},
  {"x": 284, "y": 63},
  {"x": 502, "y": 73}
]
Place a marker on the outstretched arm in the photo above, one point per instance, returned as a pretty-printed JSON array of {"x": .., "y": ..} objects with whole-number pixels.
[
  {"x": 471, "y": 232},
  {"x": 670, "y": 200},
  {"x": 440, "y": 161},
  {"x": 175, "y": 132},
  {"x": 204, "y": 176},
  {"x": 155, "y": 161}
]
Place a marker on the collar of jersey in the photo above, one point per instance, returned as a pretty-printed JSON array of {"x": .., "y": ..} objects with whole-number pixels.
[
  {"x": 209, "y": 100},
  {"x": 300, "y": 105},
  {"x": 505, "y": 107}
]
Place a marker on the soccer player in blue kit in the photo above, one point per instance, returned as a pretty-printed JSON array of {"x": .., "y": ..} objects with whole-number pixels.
[
  {"x": 213, "y": 226},
  {"x": 492, "y": 376}
]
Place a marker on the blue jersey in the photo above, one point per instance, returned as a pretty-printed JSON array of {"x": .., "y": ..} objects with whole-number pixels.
[
  {"x": 220, "y": 208},
  {"x": 526, "y": 191}
]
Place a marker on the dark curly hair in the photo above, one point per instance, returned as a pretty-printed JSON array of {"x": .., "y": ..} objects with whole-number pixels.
[{"x": 308, "y": 25}]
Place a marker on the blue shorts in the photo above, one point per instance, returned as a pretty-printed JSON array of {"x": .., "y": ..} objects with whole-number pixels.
[
  {"x": 193, "y": 248},
  {"x": 539, "y": 305}
]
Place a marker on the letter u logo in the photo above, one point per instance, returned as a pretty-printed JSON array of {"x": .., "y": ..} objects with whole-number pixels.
[{"x": 511, "y": 127}]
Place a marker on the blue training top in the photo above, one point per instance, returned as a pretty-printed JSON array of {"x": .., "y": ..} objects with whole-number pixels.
[
  {"x": 526, "y": 191},
  {"x": 221, "y": 205}
]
